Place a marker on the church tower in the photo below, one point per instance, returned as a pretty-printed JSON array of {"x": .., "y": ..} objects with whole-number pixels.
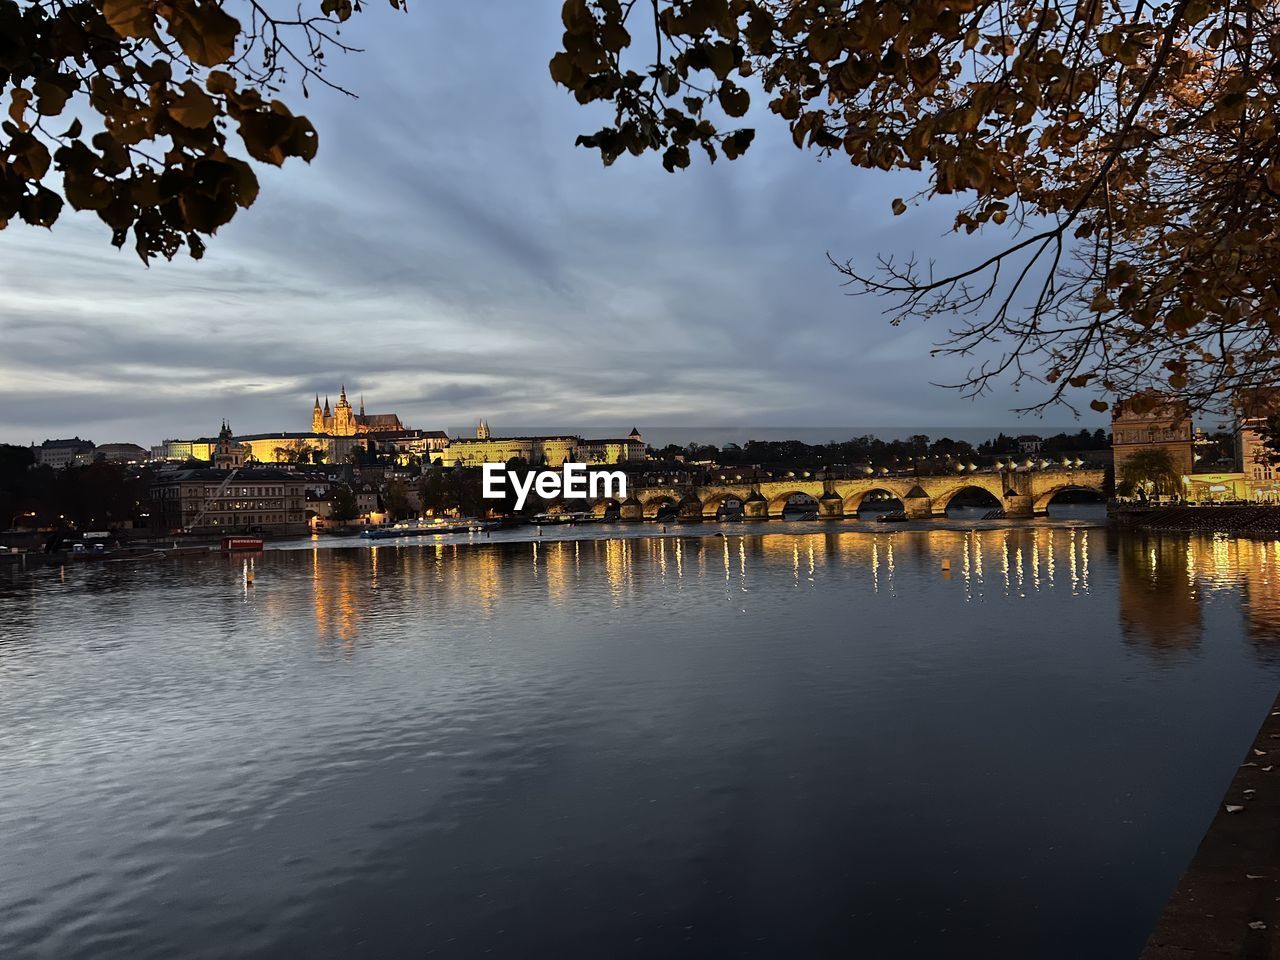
[
  {"x": 344, "y": 418},
  {"x": 227, "y": 455},
  {"x": 317, "y": 417},
  {"x": 482, "y": 431}
]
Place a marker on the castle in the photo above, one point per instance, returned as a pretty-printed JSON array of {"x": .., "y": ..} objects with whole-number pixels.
[{"x": 343, "y": 421}]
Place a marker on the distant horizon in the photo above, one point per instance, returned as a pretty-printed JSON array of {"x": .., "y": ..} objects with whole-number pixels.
[{"x": 661, "y": 436}]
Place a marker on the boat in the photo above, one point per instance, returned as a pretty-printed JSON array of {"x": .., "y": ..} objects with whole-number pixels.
[
  {"x": 438, "y": 525},
  {"x": 562, "y": 519},
  {"x": 896, "y": 517},
  {"x": 236, "y": 544}
]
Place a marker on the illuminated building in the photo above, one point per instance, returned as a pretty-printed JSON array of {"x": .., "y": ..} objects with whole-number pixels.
[
  {"x": 1152, "y": 420},
  {"x": 61, "y": 454},
  {"x": 343, "y": 421},
  {"x": 540, "y": 451},
  {"x": 1253, "y": 454}
]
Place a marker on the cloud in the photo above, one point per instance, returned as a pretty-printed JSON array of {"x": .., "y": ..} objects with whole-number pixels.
[{"x": 452, "y": 255}]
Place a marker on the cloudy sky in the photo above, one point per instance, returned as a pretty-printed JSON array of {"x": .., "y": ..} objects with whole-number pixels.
[{"x": 451, "y": 255}]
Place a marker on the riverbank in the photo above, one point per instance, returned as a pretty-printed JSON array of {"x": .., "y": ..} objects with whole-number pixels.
[
  {"x": 1227, "y": 904},
  {"x": 1243, "y": 521}
]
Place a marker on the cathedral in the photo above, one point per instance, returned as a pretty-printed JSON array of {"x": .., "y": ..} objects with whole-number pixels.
[{"x": 343, "y": 421}]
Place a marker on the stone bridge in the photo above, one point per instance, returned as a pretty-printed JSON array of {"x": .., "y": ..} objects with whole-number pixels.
[{"x": 1020, "y": 494}]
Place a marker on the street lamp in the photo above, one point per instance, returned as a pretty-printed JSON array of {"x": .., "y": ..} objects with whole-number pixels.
[{"x": 25, "y": 513}]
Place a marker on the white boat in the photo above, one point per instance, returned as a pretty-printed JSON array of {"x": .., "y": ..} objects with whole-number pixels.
[{"x": 433, "y": 526}]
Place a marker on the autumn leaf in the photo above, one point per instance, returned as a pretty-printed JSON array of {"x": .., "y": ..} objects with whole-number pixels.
[
  {"x": 206, "y": 33},
  {"x": 130, "y": 18},
  {"x": 195, "y": 108}
]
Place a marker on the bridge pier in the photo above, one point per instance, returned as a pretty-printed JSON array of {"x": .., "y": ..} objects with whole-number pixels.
[
  {"x": 755, "y": 507},
  {"x": 1018, "y": 506},
  {"x": 918, "y": 508},
  {"x": 830, "y": 506},
  {"x": 631, "y": 511},
  {"x": 690, "y": 510}
]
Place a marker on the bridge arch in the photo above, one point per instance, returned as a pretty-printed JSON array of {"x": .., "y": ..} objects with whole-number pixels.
[
  {"x": 879, "y": 498},
  {"x": 713, "y": 500},
  {"x": 994, "y": 497},
  {"x": 601, "y": 508},
  {"x": 655, "y": 503},
  {"x": 1043, "y": 500},
  {"x": 779, "y": 501}
]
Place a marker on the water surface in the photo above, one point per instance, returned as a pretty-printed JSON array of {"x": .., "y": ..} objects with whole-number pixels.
[{"x": 759, "y": 744}]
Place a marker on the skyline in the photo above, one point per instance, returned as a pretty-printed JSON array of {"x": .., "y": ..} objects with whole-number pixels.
[{"x": 455, "y": 263}]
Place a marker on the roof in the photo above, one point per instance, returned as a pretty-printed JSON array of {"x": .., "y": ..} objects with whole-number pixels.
[
  {"x": 75, "y": 443},
  {"x": 246, "y": 474},
  {"x": 613, "y": 440},
  {"x": 407, "y": 434},
  {"x": 280, "y": 436},
  {"x": 509, "y": 439},
  {"x": 121, "y": 447}
]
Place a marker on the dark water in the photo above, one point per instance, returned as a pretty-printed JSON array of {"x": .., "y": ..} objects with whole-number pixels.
[{"x": 788, "y": 744}]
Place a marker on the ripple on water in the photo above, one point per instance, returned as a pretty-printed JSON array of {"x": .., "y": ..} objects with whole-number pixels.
[{"x": 690, "y": 745}]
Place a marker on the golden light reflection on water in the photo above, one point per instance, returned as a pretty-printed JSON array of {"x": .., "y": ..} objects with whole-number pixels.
[{"x": 1162, "y": 582}]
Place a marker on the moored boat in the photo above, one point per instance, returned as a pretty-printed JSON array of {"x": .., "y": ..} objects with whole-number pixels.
[
  {"x": 236, "y": 544},
  {"x": 896, "y": 517},
  {"x": 562, "y": 519},
  {"x": 418, "y": 528}
]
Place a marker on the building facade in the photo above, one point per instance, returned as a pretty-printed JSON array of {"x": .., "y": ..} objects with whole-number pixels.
[
  {"x": 539, "y": 451},
  {"x": 121, "y": 453},
  {"x": 60, "y": 454},
  {"x": 1254, "y": 409},
  {"x": 210, "y": 499},
  {"x": 550, "y": 451},
  {"x": 628, "y": 449},
  {"x": 1152, "y": 420}
]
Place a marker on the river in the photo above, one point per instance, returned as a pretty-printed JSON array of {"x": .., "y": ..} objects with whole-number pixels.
[{"x": 973, "y": 741}]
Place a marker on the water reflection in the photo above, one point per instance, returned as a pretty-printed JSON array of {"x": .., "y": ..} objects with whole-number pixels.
[
  {"x": 1166, "y": 581},
  {"x": 409, "y": 749},
  {"x": 1162, "y": 581}
]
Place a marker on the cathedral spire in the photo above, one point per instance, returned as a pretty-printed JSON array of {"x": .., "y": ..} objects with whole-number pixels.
[{"x": 362, "y": 404}]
